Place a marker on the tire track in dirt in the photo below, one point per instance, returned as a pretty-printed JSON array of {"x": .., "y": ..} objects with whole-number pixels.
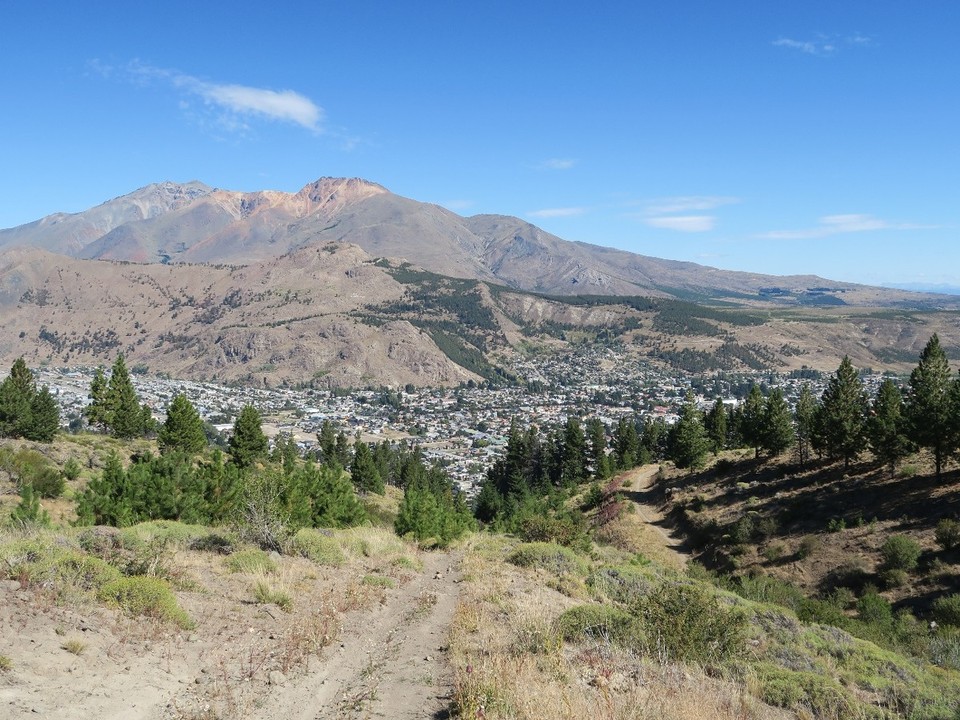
[{"x": 392, "y": 661}]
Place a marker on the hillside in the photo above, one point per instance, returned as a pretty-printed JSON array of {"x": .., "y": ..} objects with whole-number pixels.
[{"x": 605, "y": 622}]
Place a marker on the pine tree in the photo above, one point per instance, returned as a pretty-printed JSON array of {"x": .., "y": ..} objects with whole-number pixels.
[
  {"x": 17, "y": 393},
  {"x": 44, "y": 417},
  {"x": 335, "y": 503},
  {"x": 778, "y": 434},
  {"x": 886, "y": 427},
  {"x": 689, "y": 443},
  {"x": 929, "y": 409},
  {"x": 248, "y": 443},
  {"x": 597, "y": 448},
  {"x": 363, "y": 470},
  {"x": 327, "y": 440},
  {"x": 124, "y": 415},
  {"x": 29, "y": 511},
  {"x": 626, "y": 444},
  {"x": 841, "y": 417},
  {"x": 716, "y": 426},
  {"x": 804, "y": 415},
  {"x": 183, "y": 429},
  {"x": 573, "y": 454},
  {"x": 96, "y": 411},
  {"x": 752, "y": 420}
]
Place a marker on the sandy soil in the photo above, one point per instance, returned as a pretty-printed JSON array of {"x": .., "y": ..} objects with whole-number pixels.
[{"x": 351, "y": 647}]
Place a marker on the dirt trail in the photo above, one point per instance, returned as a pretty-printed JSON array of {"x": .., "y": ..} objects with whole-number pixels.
[
  {"x": 641, "y": 481},
  {"x": 390, "y": 662}
]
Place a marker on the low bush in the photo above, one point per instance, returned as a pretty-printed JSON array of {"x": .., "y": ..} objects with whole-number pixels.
[
  {"x": 600, "y": 623},
  {"x": 267, "y": 595},
  {"x": 145, "y": 596},
  {"x": 900, "y": 552},
  {"x": 621, "y": 584},
  {"x": 548, "y": 556},
  {"x": 818, "y": 695},
  {"x": 686, "y": 623},
  {"x": 946, "y": 610},
  {"x": 317, "y": 545},
  {"x": 251, "y": 561},
  {"x": 872, "y": 608},
  {"x": 948, "y": 534},
  {"x": 808, "y": 546}
]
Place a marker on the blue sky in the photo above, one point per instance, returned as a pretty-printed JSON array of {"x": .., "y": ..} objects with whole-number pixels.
[{"x": 769, "y": 136}]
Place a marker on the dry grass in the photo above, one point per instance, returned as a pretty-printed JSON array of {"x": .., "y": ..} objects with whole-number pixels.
[{"x": 510, "y": 662}]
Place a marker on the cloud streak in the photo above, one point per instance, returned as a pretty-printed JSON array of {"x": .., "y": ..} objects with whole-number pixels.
[
  {"x": 842, "y": 224},
  {"x": 557, "y": 212},
  {"x": 823, "y": 45},
  {"x": 237, "y": 101},
  {"x": 689, "y": 203},
  {"x": 683, "y": 223},
  {"x": 557, "y": 164}
]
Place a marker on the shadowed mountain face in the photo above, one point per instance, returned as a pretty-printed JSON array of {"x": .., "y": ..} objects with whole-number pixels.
[{"x": 193, "y": 223}]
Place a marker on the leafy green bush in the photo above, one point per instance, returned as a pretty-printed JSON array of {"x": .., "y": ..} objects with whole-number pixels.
[
  {"x": 900, "y": 552},
  {"x": 687, "y": 624},
  {"x": 251, "y": 561},
  {"x": 600, "y": 622},
  {"x": 948, "y": 534},
  {"x": 872, "y": 608},
  {"x": 319, "y": 546},
  {"x": 267, "y": 595},
  {"x": 145, "y": 596},
  {"x": 621, "y": 584},
  {"x": 48, "y": 483},
  {"x": 946, "y": 610},
  {"x": 893, "y": 577},
  {"x": 549, "y": 556},
  {"x": 821, "y": 696}
]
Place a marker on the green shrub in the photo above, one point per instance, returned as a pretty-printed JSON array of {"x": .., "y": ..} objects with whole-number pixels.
[
  {"x": 946, "y": 610},
  {"x": 251, "y": 561},
  {"x": 872, "y": 608},
  {"x": 742, "y": 530},
  {"x": 819, "y": 695},
  {"x": 145, "y": 596},
  {"x": 893, "y": 577},
  {"x": 836, "y": 525},
  {"x": 319, "y": 546},
  {"x": 6, "y": 664},
  {"x": 267, "y": 595},
  {"x": 600, "y": 622},
  {"x": 548, "y": 556},
  {"x": 48, "y": 483},
  {"x": 808, "y": 546},
  {"x": 900, "y": 552},
  {"x": 774, "y": 552},
  {"x": 379, "y": 581},
  {"x": 71, "y": 469},
  {"x": 948, "y": 534},
  {"x": 687, "y": 624},
  {"x": 621, "y": 584}
]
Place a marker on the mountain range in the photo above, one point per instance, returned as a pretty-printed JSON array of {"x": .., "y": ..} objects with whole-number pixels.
[{"x": 347, "y": 282}]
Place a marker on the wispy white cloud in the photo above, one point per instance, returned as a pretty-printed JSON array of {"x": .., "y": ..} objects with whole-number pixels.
[
  {"x": 688, "y": 203},
  {"x": 557, "y": 164},
  {"x": 823, "y": 45},
  {"x": 841, "y": 224},
  {"x": 235, "y": 102},
  {"x": 683, "y": 223},
  {"x": 557, "y": 212}
]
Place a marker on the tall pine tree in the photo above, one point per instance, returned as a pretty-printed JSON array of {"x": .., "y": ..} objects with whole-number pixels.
[
  {"x": 841, "y": 416},
  {"x": 248, "y": 443},
  {"x": 886, "y": 427},
  {"x": 929, "y": 409},
  {"x": 183, "y": 429}
]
